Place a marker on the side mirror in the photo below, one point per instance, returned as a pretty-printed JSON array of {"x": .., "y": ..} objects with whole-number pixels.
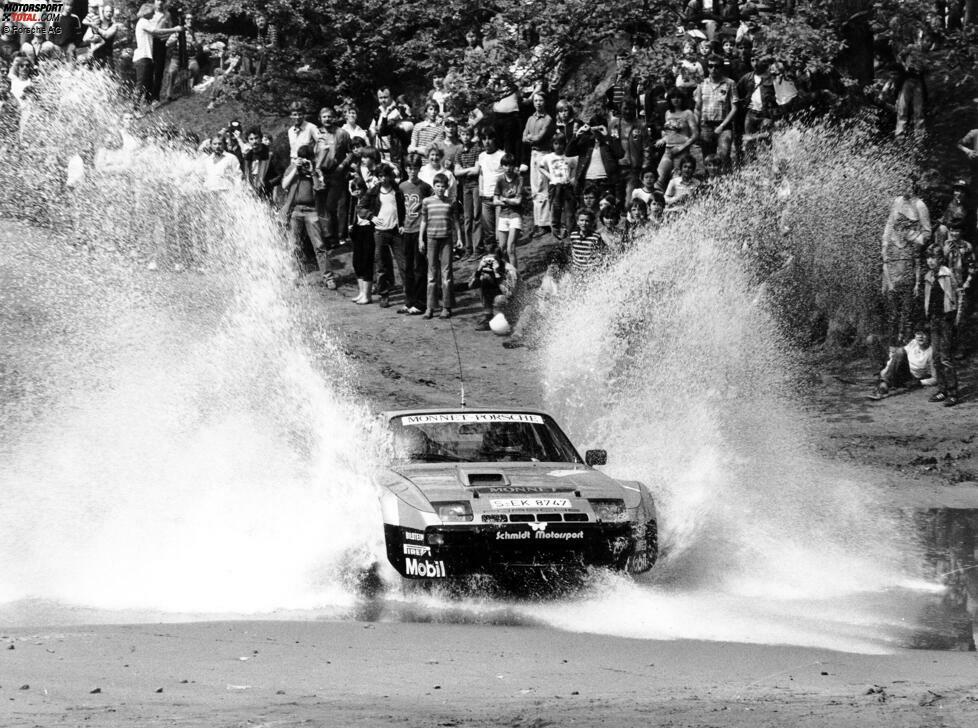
[{"x": 596, "y": 457}]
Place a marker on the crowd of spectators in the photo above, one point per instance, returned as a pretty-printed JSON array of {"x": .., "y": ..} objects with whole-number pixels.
[{"x": 414, "y": 195}]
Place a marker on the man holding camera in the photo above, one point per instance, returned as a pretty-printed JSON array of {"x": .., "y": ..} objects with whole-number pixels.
[
  {"x": 301, "y": 181},
  {"x": 598, "y": 155}
]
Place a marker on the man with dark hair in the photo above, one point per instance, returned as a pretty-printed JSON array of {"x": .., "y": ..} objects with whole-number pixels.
[
  {"x": 383, "y": 205},
  {"x": 716, "y": 106},
  {"x": 301, "y": 181},
  {"x": 598, "y": 155},
  {"x": 757, "y": 103},
  {"x": 257, "y": 162},
  {"x": 333, "y": 146},
  {"x": 411, "y": 263},
  {"x": 300, "y": 131},
  {"x": 384, "y": 127}
]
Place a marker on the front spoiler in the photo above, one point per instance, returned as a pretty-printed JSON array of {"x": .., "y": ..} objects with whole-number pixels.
[{"x": 463, "y": 550}]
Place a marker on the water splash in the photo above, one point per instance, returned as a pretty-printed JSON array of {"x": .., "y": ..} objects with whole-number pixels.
[
  {"x": 685, "y": 372},
  {"x": 178, "y": 431}
]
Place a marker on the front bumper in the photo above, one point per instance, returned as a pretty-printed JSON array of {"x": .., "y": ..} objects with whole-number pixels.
[{"x": 461, "y": 550}]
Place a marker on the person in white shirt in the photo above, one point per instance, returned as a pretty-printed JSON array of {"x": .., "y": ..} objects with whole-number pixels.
[
  {"x": 301, "y": 132},
  {"x": 351, "y": 127},
  {"x": 222, "y": 171},
  {"x": 489, "y": 164},
  {"x": 910, "y": 365},
  {"x": 146, "y": 30}
]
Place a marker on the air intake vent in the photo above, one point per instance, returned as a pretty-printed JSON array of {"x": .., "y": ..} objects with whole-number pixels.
[
  {"x": 494, "y": 518},
  {"x": 548, "y": 516},
  {"x": 521, "y": 517},
  {"x": 575, "y": 516},
  {"x": 486, "y": 478}
]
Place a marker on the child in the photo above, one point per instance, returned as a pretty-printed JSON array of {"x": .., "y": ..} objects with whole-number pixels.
[
  {"x": 681, "y": 189},
  {"x": 435, "y": 167},
  {"x": 410, "y": 262},
  {"x": 437, "y": 220},
  {"x": 560, "y": 171},
  {"x": 610, "y": 228},
  {"x": 636, "y": 222},
  {"x": 645, "y": 193},
  {"x": 589, "y": 200},
  {"x": 508, "y": 197},
  {"x": 362, "y": 235},
  {"x": 586, "y": 246},
  {"x": 489, "y": 164},
  {"x": 467, "y": 172},
  {"x": 940, "y": 307}
]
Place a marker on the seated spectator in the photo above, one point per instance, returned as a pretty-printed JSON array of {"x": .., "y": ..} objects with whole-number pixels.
[
  {"x": 910, "y": 365},
  {"x": 496, "y": 278}
]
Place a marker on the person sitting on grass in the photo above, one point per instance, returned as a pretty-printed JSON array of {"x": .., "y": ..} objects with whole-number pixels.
[
  {"x": 908, "y": 366},
  {"x": 437, "y": 222}
]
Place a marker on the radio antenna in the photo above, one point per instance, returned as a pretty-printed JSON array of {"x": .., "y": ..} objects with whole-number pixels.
[{"x": 458, "y": 354}]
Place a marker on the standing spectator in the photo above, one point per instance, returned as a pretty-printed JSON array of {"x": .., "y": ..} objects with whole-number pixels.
[
  {"x": 623, "y": 86},
  {"x": 101, "y": 34},
  {"x": 912, "y": 67},
  {"x": 451, "y": 145},
  {"x": 597, "y": 154},
  {"x": 716, "y": 106},
  {"x": 437, "y": 221},
  {"x": 384, "y": 127},
  {"x": 633, "y": 135},
  {"x": 537, "y": 134},
  {"x": 508, "y": 198},
  {"x": 411, "y": 263},
  {"x": 560, "y": 171},
  {"x": 222, "y": 171},
  {"x": 301, "y": 133},
  {"x": 755, "y": 94},
  {"x": 259, "y": 170},
  {"x": 960, "y": 258},
  {"x": 506, "y": 114},
  {"x": 65, "y": 31},
  {"x": 435, "y": 167},
  {"x": 351, "y": 126},
  {"x": 266, "y": 39},
  {"x": 362, "y": 235},
  {"x": 301, "y": 181},
  {"x": 566, "y": 123},
  {"x": 679, "y": 133},
  {"x": 490, "y": 164},
  {"x": 940, "y": 308},
  {"x": 646, "y": 193},
  {"x": 906, "y": 234},
  {"x": 467, "y": 173},
  {"x": 146, "y": 32},
  {"x": 383, "y": 205},
  {"x": 333, "y": 147},
  {"x": 161, "y": 21},
  {"x": 428, "y": 132}
]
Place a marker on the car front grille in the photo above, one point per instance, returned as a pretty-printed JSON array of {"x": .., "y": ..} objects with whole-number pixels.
[{"x": 534, "y": 517}]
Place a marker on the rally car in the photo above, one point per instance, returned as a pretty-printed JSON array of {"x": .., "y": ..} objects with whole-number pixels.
[{"x": 495, "y": 491}]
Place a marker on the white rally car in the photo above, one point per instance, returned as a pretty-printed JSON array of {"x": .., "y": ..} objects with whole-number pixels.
[{"x": 495, "y": 491}]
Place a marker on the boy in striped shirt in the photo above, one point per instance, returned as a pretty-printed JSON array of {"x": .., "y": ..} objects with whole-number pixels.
[
  {"x": 586, "y": 246},
  {"x": 437, "y": 223}
]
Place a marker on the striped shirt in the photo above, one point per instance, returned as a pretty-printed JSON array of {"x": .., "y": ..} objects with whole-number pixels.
[
  {"x": 436, "y": 213},
  {"x": 466, "y": 160},
  {"x": 425, "y": 135},
  {"x": 586, "y": 251}
]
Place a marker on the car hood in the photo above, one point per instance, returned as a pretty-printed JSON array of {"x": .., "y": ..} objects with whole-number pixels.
[{"x": 439, "y": 482}]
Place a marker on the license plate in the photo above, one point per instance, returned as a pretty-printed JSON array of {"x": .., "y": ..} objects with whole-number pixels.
[{"x": 530, "y": 502}]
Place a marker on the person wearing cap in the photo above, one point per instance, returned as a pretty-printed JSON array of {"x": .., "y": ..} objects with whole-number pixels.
[
  {"x": 537, "y": 134},
  {"x": 301, "y": 132},
  {"x": 715, "y": 105}
]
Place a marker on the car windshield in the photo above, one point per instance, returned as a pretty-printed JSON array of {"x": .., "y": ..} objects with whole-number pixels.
[{"x": 480, "y": 437}]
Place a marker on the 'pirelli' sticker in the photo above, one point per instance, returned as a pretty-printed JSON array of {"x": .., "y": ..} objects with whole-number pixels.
[
  {"x": 530, "y": 502},
  {"x": 433, "y": 419}
]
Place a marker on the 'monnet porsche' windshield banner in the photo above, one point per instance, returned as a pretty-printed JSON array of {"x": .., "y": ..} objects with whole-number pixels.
[{"x": 432, "y": 419}]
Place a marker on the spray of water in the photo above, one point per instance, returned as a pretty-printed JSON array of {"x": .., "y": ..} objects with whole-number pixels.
[
  {"x": 178, "y": 432},
  {"x": 684, "y": 371}
]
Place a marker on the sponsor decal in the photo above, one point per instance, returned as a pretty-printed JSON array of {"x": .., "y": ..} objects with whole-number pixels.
[
  {"x": 520, "y": 489},
  {"x": 425, "y": 569},
  {"x": 530, "y": 502},
  {"x": 540, "y": 535},
  {"x": 413, "y": 536},
  {"x": 413, "y": 550},
  {"x": 432, "y": 419},
  {"x": 539, "y": 526}
]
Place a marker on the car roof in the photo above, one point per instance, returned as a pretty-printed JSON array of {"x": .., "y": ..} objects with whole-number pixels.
[{"x": 390, "y": 414}]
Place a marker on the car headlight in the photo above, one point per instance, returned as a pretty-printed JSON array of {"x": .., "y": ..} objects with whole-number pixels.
[
  {"x": 609, "y": 511},
  {"x": 453, "y": 511}
]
